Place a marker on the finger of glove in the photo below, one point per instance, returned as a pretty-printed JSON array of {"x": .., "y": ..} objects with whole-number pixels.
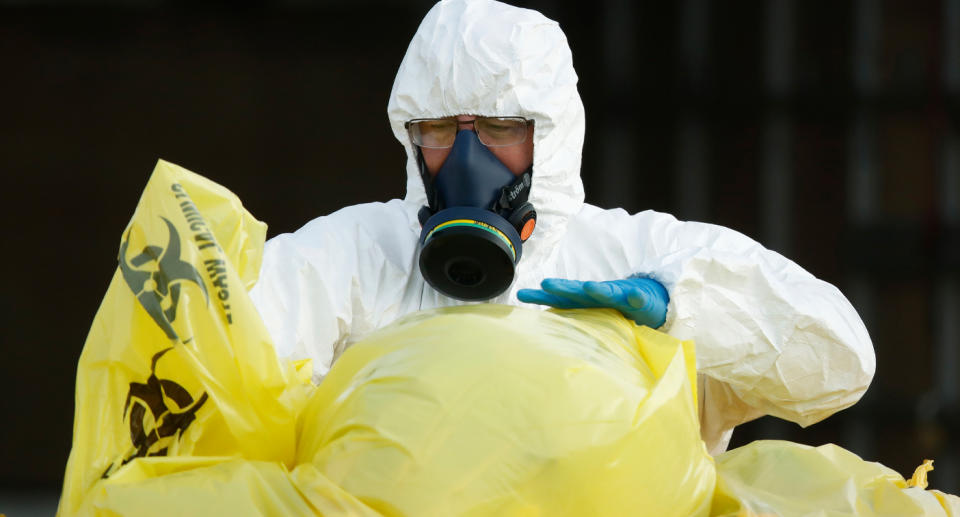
[
  {"x": 633, "y": 293},
  {"x": 608, "y": 294},
  {"x": 638, "y": 297},
  {"x": 569, "y": 289},
  {"x": 544, "y": 298},
  {"x": 627, "y": 297},
  {"x": 649, "y": 306}
]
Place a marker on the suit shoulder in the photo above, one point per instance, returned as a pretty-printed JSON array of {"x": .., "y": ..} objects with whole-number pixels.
[
  {"x": 389, "y": 215},
  {"x": 602, "y": 219}
]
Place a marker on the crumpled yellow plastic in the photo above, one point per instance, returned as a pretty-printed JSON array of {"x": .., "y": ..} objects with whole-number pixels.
[
  {"x": 919, "y": 478},
  {"x": 178, "y": 366},
  {"x": 497, "y": 410},
  {"x": 773, "y": 477},
  {"x": 184, "y": 409}
]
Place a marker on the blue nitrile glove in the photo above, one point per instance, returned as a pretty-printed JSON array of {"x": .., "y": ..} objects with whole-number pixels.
[{"x": 644, "y": 300}]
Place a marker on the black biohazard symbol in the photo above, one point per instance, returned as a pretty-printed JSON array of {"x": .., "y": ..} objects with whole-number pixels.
[
  {"x": 155, "y": 276},
  {"x": 159, "y": 411}
]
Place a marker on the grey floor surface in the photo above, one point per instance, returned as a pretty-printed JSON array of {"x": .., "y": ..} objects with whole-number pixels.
[{"x": 29, "y": 503}]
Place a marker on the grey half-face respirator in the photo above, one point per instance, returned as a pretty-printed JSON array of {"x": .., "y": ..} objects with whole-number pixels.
[{"x": 475, "y": 223}]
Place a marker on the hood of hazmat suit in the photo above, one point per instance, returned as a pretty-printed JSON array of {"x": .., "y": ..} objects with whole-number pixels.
[
  {"x": 771, "y": 338},
  {"x": 518, "y": 63}
]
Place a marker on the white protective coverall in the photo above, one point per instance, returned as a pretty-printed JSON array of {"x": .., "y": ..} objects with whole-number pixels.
[{"x": 770, "y": 337}]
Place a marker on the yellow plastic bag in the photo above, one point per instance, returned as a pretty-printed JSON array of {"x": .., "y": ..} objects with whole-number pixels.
[
  {"x": 183, "y": 408},
  {"x": 779, "y": 478},
  {"x": 496, "y": 410},
  {"x": 177, "y": 362}
]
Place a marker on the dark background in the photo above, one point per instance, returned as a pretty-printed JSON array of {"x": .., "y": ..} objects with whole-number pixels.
[{"x": 827, "y": 130}]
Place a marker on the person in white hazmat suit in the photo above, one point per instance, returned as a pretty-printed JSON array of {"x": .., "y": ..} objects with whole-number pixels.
[{"x": 482, "y": 79}]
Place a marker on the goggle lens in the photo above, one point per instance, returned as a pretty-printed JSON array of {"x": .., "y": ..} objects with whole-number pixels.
[
  {"x": 492, "y": 131},
  {"x": 437, "y": 133}
]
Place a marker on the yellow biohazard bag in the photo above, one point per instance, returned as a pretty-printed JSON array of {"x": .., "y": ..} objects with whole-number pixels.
[
  {"x": 780, "y": 478},
  {"x": 182, "y": 407},
  {"x": 178, "y": 365},
  {"x": 497, "y": 410}
]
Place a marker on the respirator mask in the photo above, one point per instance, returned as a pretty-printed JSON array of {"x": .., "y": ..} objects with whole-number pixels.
[{"x": 477, "y": 216}]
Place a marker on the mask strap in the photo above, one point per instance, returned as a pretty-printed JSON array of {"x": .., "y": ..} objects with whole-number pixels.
[{"x": 432, "y": 197}]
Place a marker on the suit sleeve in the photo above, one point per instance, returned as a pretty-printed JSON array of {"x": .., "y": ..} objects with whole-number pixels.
[
  {"x": 304, "y": 292},
  {"x": 336, "y": 279},
  {"x": 771, "y": 338}
]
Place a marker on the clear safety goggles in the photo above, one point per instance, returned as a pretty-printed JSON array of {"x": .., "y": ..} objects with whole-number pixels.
[{"x": 439, "y": 133}]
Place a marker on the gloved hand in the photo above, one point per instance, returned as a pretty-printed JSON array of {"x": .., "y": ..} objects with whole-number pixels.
[{"x": 644, "y": 300}]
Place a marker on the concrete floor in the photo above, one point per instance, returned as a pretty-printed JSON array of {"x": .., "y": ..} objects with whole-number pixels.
[{"x": 29, "y": 503}]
